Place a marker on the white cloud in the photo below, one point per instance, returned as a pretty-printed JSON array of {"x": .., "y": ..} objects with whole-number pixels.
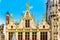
[
  {"x": 0, "y": 0},
  {"x": 23, "y": 11},
  {"x": 30, "y": 7}
]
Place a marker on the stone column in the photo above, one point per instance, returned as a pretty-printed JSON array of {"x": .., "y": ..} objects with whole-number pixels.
[
  {"x": 38, "y": 35},
  {"x": 48, "y": 35},
  {"x": 30, "y": 35}
]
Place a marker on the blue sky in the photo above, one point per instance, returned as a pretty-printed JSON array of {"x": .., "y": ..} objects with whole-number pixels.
[{"x": 17, "y": 8}]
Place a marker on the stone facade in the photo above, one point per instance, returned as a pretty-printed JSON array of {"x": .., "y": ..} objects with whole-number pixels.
[
  {"x": 27, "y": 29},
  {"x": 53, "y": 15}
]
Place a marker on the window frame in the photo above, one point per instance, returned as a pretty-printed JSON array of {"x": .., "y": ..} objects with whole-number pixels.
[
  {"x": 27, "y": 23},
  {"x": 20, "y": 36},
  {"x": 27, "y": 35},
  {"x": 43, "y": 36},
  {"x": 34, "y": 35}
]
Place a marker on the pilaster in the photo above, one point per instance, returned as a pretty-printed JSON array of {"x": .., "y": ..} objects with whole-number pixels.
[
  {"x": 7, "y": 36},
  {"x": 23, "y": 35},
  {"x": 30, "y": 35},
  {"x": 38, "y": 35}
]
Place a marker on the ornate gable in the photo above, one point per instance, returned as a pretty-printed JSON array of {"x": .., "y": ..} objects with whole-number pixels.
[{"x": 27, "y": 21}]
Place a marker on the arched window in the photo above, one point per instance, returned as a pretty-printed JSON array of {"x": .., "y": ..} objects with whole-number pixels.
[
  {"x": 43, "y": 26},
  {"x": 11, "y": 26}
]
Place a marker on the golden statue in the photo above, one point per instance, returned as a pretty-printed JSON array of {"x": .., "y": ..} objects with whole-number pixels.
[{"x": 27, "y": 5}]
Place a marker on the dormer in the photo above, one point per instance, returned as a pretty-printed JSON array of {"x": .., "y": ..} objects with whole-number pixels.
[
  {"x": 11, "y": 26},
  {"x": 44, "y": 25}
]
